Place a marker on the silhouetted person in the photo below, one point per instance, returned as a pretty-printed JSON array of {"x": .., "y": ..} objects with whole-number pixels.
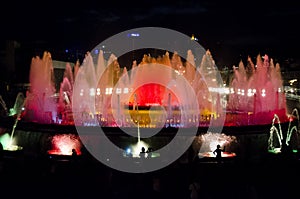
[
  {"x": 74, "y": 158},
  {"x": 74, "y": 166},
  {"x": 218, "y": 153},
  {"x": 286, "y": 151},
  {"x": 149, "y": 151},
  {"x": 286, "y": 148},
  {"x": 143, "y": 152},
  {"x": 74, "y": 153}
]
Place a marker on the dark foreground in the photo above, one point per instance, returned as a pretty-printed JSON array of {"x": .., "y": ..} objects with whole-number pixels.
[{"x": 271, "y": 176}]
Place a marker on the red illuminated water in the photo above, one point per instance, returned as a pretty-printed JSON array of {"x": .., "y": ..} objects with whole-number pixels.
[
  {"x": 212, "y": 155},
  {"x": 62, "y": 144}
]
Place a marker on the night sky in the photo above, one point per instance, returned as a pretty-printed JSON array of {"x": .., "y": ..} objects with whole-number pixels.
[{"x": 231, "y": 30}]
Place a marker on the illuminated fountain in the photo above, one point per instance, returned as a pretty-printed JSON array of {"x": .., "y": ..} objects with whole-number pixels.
[
  {"x": 135, "y": 149},
  {"x": 16, "y": 112},
  {"x": 9, "y": 143},
  {"x": 111, "y": 99},
  {"x": 256, "y": 93},
  {"x": 40, "y": 104},
  {"x": 279, "y": 139},
  {"x": 104, "y": 92},
  {"x": 101, "y": 92},
  {"x": 63, "y": 144},
  {"x": 208, "y": 142},
  {"x": 45, "y": 105}
]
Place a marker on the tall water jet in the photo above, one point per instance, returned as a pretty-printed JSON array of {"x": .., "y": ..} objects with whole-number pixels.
[
  {"x": 40, "y": 102},
  {"x": 256, "y": 92},
  {"x": 64, "y": 109},
  {"x": 84, "y": 93},
  {"x": 105, "y": 92},
  {"x": 16, "y": 111},
  {"x": 115, "y": 81}
]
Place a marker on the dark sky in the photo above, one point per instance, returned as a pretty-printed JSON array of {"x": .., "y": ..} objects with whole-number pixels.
[{"x": 231, "y": 30}]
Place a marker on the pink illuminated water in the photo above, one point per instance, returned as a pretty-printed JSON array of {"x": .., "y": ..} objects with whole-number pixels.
[
  {"x": 105, "y": 92},
  {"x": 256, "y": 91},
  {"x": 40, "y": 105}
]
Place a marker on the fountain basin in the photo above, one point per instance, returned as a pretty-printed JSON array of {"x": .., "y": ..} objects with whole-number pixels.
[
  {"x": 252, "y": 140},
  {"x": 212, "y": 155},
  {"x": 13, "y": 148}
]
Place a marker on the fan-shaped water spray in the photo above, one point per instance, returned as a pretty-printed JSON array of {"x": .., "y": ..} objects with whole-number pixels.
[{"x": 282, "y": 139}]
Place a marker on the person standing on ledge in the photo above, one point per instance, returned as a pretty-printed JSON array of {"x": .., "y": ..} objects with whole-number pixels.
[
  {"x": 74, "y": 157},
  {"x": 218, "y": 153},
  {"x": 143, "y": 152}
]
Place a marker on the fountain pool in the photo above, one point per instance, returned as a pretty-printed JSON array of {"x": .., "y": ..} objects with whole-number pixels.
[{"x": 104, "y": 93}]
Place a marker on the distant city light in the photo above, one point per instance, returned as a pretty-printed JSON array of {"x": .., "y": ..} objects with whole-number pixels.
[
  {"x": 133, "y": 35},
  {"x": 194, "y": 38}
]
